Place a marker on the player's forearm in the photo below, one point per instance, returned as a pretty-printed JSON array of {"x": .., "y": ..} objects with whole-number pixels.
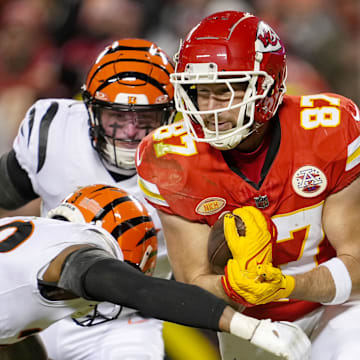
[
  {"x": 318, "y": 285},
  {"x": 212, "y": 283},
  {"x": 108, "y": 279},
  {"x": 117, "y": 282},
  {"x": 92, "y": 273}
]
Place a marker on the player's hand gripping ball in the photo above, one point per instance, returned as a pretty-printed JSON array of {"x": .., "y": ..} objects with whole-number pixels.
[
  {"x": 239, "y": 242},
  {"x": 248, "y": 233},
  {"x": 218, "y": 249}
]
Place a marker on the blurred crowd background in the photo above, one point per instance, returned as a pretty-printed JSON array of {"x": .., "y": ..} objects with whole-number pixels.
[{"x": 47, "y": 46}]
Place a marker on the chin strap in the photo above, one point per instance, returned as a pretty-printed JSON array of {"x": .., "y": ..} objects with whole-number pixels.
[{"x": 117, "y": 170}]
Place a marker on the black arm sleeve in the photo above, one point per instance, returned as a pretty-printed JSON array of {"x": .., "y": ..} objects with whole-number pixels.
[
  {"x": 15, "y": 186},
  {"x": 117, "y": 282}
]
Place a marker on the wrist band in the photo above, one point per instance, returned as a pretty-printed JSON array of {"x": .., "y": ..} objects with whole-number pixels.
[
  {"x": 243, "y": 326},
  {"x": 342, "y": 280}
]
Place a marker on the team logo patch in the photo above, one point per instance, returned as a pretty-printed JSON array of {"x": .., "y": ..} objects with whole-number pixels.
[
  {"x": 309, "y": 181},
  {"x": 210, "y": 206},
  {"x": 261, "y": 201}
]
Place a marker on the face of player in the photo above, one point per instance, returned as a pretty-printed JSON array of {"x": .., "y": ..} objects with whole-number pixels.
[
  {"x": 216, "y": 96},
  {"x": 129, "y": 125}
]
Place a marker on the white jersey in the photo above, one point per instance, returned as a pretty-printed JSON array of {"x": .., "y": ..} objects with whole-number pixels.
[
  {"x": 27, "y": 246},
  {"x": 54, "y": 148}
]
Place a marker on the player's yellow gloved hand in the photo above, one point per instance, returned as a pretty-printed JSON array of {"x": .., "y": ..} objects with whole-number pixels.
[
  {"x": 255, "y": 247},
  {"x": 251, "y": 288}
]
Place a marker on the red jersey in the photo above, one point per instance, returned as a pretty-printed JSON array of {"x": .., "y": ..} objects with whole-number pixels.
[{"x": 315, "y": 152}]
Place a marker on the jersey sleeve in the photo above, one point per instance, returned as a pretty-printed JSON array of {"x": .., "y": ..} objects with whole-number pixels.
[
  {"x": 40, "y": 144},
  {"x": 101, "y": 238},
  {"x": 147, "y": 180},
  {"x": 68, "y": 234},
  {"x": 30, "y": 144},
  {"x": 347, "y": 163}
]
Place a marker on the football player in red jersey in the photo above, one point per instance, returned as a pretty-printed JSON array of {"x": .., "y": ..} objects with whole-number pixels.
[{"x": 243, "y": 142}]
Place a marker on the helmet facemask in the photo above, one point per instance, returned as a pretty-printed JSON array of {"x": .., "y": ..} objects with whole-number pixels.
[
  {"x": 185, "y": 85},
  {"x": 118, "y": 152}
]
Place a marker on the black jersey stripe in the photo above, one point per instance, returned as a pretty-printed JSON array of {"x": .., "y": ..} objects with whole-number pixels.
[
  {"x": 128, "y": 224},
  {"x": 127, "y": 60},
  {"x": 44, "y": 133},
  {"x": 141, "y": 76},
  {"x": 109, "y": 207},
  {"x": 30, "y": 123}
]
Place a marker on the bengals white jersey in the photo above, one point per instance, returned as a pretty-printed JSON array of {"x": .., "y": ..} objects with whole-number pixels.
[
  {"x": 315, "y": 152},
  {"x": 54, "y": 148},
  {"x": 27, "y": 246}
]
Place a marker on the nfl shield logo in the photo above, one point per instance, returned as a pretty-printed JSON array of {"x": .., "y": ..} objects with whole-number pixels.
[{"x": 261, "y": 201}]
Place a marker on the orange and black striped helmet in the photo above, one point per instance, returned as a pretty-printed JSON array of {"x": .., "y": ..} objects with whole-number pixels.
[
  {"x": 131, "y": 75},
  {"x": 124, "y": 217}
]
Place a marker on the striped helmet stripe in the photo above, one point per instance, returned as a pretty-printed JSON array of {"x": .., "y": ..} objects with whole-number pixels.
[
  {"x": 109, "y": 207},
  {"x": 128, "y": 224},
  {"x": 127, "y": 60},
  {"x": 126, "y": 74}
]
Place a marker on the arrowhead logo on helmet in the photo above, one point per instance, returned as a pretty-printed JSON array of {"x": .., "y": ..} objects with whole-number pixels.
[{"x": 268, "y": 39}]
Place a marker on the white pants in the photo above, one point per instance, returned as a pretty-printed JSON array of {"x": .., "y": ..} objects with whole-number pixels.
[
  {"x": 126, "y": 338},
  {"x": 333, "y": 330}
]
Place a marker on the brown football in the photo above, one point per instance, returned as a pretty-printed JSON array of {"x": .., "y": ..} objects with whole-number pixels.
[{"x": 218, "y": 250}]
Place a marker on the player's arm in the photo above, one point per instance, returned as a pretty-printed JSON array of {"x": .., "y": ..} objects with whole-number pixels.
[
  {"x": 15, "y": 186},
  {"x": 94, "y": 274},
  {"x": 334, "y": 281},
  {"x": 26, "y": 157},
  {"x": 31, "y": 348},
  {"x": 342, "y": 227},
  {"x": 187, "y": 246}
]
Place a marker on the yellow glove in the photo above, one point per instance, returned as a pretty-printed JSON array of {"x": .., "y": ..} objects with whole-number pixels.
[
  {"x": 250, "y": 288},
  {"x": 255, "y": 247}
]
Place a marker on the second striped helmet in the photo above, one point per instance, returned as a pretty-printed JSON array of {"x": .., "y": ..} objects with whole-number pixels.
[{"x": 124, "y": 217}]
